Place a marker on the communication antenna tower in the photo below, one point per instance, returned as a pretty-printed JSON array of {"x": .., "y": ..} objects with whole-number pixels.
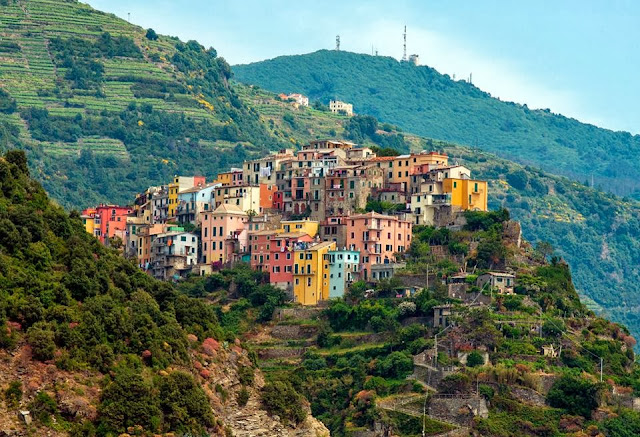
[
  {"x": 129, "y": 17},
  {"x": 404, "y": 52},
  {"x": 338, "y": 43}
]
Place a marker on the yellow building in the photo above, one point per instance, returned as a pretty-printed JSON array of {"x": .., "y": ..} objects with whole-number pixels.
[
  {"x": 311, "y": 273},
  {"x": 232, "y": 177},
  {"x": 468, "y": 194},
  {"x": 88, "y": 218},
  {"x": 181, "y": 183},
  {"x": 309, "y": 227}
]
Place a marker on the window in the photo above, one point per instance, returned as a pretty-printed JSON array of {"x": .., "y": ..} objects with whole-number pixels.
[
  {"x": 276, "y": 256},
  {"x": 455, "y": 184},
  {"x": 220, "y": 246},
  {"x": 289, "y": 255},
  {"x": 308, "y": 282},
  {"x": 183, "y": 238},
  {"x": 206, "y": 231},
  {"x": 297, "y": 281}
]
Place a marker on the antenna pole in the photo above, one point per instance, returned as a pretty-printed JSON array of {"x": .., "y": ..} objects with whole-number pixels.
[
  {"x": 404, "y": 52},
  {"x": 337, "y": 43}
]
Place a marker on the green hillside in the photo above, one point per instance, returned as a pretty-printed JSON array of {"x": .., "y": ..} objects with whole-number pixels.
[
  {"x": 595, "y": 231},
  {"x": 105, "y": 108},
  {"x": 425, "y": 102}
]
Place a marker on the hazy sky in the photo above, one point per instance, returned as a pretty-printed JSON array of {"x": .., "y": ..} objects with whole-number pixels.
[{"x": 577, "y": 57}]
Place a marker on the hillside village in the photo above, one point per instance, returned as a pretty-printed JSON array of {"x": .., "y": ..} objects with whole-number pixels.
[{"x": 316, "y": 220}]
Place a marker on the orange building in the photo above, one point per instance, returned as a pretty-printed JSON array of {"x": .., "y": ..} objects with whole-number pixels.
[
  {"x": 267, "y": 196},
  {"x": 378, "y": 237},
  {"x": 113, "y": 222}
]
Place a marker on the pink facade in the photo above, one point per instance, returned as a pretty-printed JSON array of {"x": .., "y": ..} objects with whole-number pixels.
[
  {"x": 273, "y": 252},
  {"x": 378, "y": 237},
  {"x": 223, "y": 233}
]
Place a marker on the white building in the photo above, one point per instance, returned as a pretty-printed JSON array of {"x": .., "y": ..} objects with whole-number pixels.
[{"x": 337, "y": 107}]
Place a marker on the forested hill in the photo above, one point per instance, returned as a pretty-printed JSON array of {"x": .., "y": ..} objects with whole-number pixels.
[
  {"x": 105, "y": 108},
  {"x": 425, "y": 102}
]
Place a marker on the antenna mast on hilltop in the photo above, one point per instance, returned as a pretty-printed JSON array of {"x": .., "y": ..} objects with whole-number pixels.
[
  {"x": 404, "y": 52},
  {"x": 337, "y": 43}
]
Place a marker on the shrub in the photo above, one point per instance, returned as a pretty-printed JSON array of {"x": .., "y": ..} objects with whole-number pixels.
[
  {"x": 151, "y": 35},
  {"x": 41, "y": 340},
  {"x": 13, "y": 394},
  {"x": 43, "y": 407},
  {"x": 577, "y": 396},
  {"x": 246, "y": 375},
  {"x": 475, "y": 359},
  {"x": 280, "y": 398},
  {"x": 243, "y": 396}
]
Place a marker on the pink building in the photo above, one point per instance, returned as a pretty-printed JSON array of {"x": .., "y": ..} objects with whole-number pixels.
[
  {"x": 272, "y": 251},
  {"x": 282, "y": 257},
  {"x": 378, "y": 238},
  {"x": 223, "y": 233}
]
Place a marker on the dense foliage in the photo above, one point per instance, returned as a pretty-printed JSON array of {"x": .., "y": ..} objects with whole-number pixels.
[{"x": 84, "y": 306}]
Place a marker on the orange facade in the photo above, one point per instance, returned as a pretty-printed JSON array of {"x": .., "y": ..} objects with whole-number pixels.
[{"x": 113, "y": 221}]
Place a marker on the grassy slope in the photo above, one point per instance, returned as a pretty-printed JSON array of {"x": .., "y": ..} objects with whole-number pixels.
[
  {"x": 421, "y": 100},
  {"x": 594, "y": 231}
]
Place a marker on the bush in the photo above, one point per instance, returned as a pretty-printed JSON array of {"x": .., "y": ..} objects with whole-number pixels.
[
  {"x": 41, "y": 340},
  {"x": 43, "y": 407},
  {"x": 151, "y": 35},
  {"x": 246, "y": 375},
  {"x": 243, "y": 396},
  {"x": 13, "y": 394},
  {"x": 577, "y": 396},
  {"x": 280, "y": 398},
  {"x": 475, "y": 359}
]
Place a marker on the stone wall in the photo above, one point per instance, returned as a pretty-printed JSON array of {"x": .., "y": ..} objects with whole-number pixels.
[
  {"x": 296, "y": 313},
  {"x": 293, "y": 332},
  {"x": 271, "y": 353},
  {"x": 458, "y": 409},
  {"x": 416, "y": 280}
]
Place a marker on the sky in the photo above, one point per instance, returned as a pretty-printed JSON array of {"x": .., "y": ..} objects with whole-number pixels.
[{"x": 580, "y": 58}]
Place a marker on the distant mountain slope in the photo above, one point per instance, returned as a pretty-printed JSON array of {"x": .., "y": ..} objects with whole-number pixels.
[
  {"x": 105, "y": 108},
  {"x": 423, "y": 101},
  {"x": 596, "y": 232}
]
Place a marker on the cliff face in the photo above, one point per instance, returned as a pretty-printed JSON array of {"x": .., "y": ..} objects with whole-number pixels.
[{"x": 77, "y": 395}]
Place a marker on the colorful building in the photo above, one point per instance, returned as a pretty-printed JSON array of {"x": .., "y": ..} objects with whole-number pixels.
[
  {"x": 309, "y": 227},
  {"x": 220, "y": 228},
  {"x": 378, "y": 238},
  {"x": 343, "y": 270},
  {"x": 89, "y": 220},
  {"x": 233, "y": 177},
  {"x": 468, "y": 194},
  {"x": 181, "y": 183},
  {"x": 113, "y": 222},
  {"x": 311, "y": 273}
]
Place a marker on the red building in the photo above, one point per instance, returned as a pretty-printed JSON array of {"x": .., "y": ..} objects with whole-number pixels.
[
  {"x": 273, "y": 252},
  {"x": 113, "y": 221}
]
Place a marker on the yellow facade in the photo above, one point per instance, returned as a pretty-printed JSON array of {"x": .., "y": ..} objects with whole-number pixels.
[
  {"x": 311, "y": 273},
  {"x": 468, "y": 194},
  {"x": 174, "y": 188},
  {"x": 89, "y": 224},
  {"x": 224, "y": 178},
  {"x": 309, "y": 227}
]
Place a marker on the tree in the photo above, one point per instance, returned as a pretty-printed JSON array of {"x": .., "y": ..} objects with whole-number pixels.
[
  {"x": 518, "y": 179},
  {"x": 475, "y": 359},
  {"x": 40, "y": 338},
  {"x": 280, "y": 398},
  {"x": 576, "y": 395},
  {"x": 544, "y": 248},
  {"x": 151, "y": 35}
]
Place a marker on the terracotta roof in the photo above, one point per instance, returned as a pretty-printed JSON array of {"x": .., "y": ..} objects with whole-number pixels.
[
  {"x": 322, "y": 245},
  {"x": 383, "y": 158},
  {"x": 196, "y": 189},
  {"x": 373, "y": 214}
]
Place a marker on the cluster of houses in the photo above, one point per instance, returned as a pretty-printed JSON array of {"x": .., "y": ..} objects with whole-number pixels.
[
  {"x": 297, "y": 215},
  {"x": 335, "y": 106}
]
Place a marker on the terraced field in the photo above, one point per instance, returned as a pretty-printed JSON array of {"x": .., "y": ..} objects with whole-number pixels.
[{"x": 29, "y": 73}]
